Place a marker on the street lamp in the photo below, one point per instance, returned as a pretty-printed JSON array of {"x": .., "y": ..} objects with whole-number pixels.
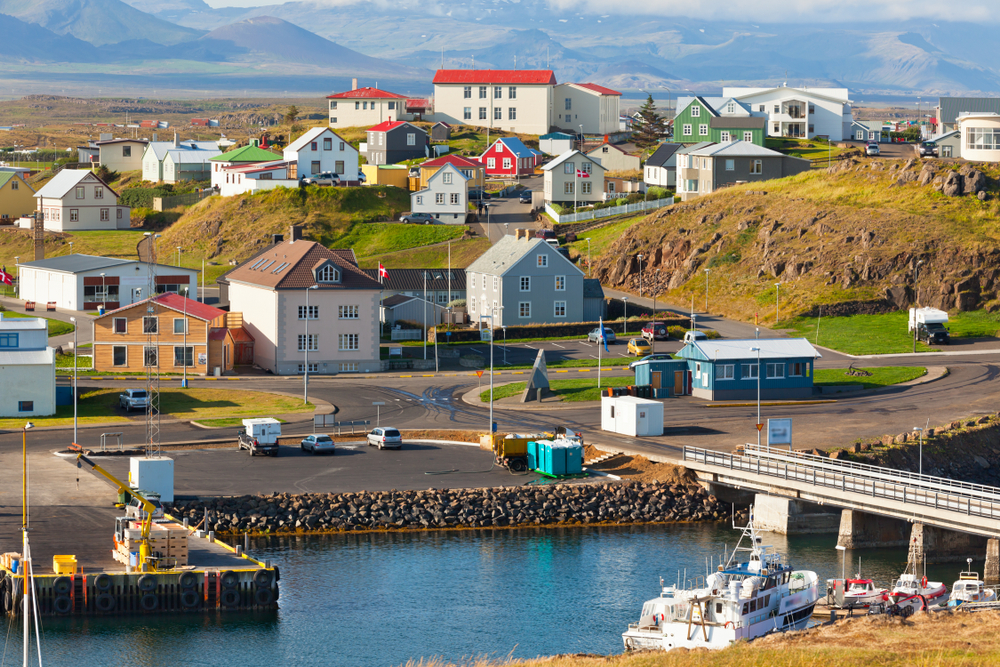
[
  {"x": 777, "y": 294},
  {"x": 75, "y": 354},
  {"x": 589, "y": 268},
  {"x": 490, "y": 318},
  {"x": 625, "y": 306},
  {"x": 24, "y": 482},
  {"x": 71, "y": 247},
  {"x": 178, "y": 255},
  {"x": 104, "y": 293},
  {"x": 920, "y": 459},
  {"x": 504, "y": 327},
  {"x": 639, "y": 257},
  {"x": 759, "y": 425},
  {"x": 305, "y": 378},
  {"x": 707, "y": 271},
  {"x": 184, "y": 382}
]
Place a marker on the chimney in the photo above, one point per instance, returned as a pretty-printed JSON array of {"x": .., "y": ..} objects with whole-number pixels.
[
  {"x": 295, "y": 233},
  {"x": 277, "y": 238},
  {"x": 354, "y": 83},
  {"x": 176, "y": 141},
  {"x": 154, "y": 136}
]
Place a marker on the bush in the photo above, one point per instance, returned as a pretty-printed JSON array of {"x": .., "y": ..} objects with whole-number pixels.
[{"x": 657, "y": 192}]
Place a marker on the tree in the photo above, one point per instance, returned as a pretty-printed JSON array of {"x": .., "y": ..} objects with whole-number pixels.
[
  {"x": 650, "y": 127},
  {"x": 292, "y": 114}
]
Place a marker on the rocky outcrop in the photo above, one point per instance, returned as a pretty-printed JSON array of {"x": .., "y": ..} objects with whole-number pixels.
[{"x": 561, "y": 504}]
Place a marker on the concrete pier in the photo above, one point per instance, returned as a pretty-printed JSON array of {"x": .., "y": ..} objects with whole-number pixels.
[
  {"x": 778, "y": 514},
  {"x": 945, "y": 546},
  {"x": 991, "y": 574},
  {"x": 860, "y": 530}
]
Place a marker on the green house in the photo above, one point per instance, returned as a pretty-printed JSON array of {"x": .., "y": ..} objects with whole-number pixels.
[{"x": 717, "y": 119}]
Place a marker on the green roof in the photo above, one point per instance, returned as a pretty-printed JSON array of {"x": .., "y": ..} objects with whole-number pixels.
[
  {"x": 5, "y": 176},
  {"x": 247, "y": 154}
]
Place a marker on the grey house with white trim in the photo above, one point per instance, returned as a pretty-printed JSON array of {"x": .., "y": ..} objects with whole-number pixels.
[{"x": 703, "y": 170}]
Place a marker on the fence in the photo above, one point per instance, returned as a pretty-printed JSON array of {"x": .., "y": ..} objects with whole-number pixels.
[
  {"x": 610, "y": 211},
  {"x": 164, "y": 203},
  {"x": 330, "y": 422},
  {"x": 407, "y": 334}
]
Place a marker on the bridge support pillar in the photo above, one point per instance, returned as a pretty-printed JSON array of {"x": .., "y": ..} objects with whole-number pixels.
[
  {"x": 991, "y": 573},
  {"x": 938, "y": 545},
  {"x": 778, "y": 514},
  {"x": 860, "y": 530}
]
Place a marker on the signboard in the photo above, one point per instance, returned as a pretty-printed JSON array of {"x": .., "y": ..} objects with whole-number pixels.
[
  {"x": 779, "y": 432},
  {"x": 395, "y": 351},
  {"x": 760, "y": 426},
  {"x": 479, "y": 374},
  {"x": 485, "y": 335},
  {"x": 202, "y": 358}
]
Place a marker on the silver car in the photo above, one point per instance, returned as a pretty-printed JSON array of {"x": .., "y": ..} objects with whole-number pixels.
[
  {"x": 595, "y": 336},
  {"x": 319, "y": 443},
  {"x": 385, "y": 438}
]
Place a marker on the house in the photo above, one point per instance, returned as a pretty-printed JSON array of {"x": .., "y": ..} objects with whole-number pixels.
[
  {"x": 121, "y": 155},
  {"x": 949, "y": 108},
  {"x": 445, "y": 196},
  {"x": 661, "y": 167},
  {"x": 726, "y": 370},
  {"x": 980, "y": 136},
  {"x": 574, "y": 178},
  {"x": 360, "y": 107},
  {"x": 87, "y": 282},
  {"x": 255, "y": 177},
  {"x": 320, "y": 150},
  {"x": 524, "y": 281},
  {"x": 182, "y": 329},
  {"x": 416, "y": 109},
  {"x": 27, "y": 368},
  {"x": 395, "y": 141},
  {"x": 176, "y": 161},
  {"x": 616, "y": 187},
  {"x": 76, "y": 200},
  {"x": 509, "y": 157},
  {"x": 949, "y": 144},
  {"x": 866, "y": 131},
  {"x": 440, "y": 132},
  {"x": 297, "y": 286},
  {"x": 441, "y": 286},
  {"x": 798, "y": 112},
  {"x": 717, "y": 119},
  {"x": 473, "y": 171},
  {"x": 412, "y": 310},
  {"x": 706, "y": 168},
  {"x": 556, "y": 143},
  {"x": 594, "y": 107},
  {"x": 613, "y": 158},
  {"x": 594, "y": 305},
  {"x": 510, "y": 100},
  {"x": 17, "y": 198},
  {"x": 667, "y": 377},
  {"x": 387, "y": 174},
  {"x": 239, "y": 157}
]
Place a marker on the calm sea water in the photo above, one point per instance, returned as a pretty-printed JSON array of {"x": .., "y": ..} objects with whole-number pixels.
[{"x": 375, "y": 600}]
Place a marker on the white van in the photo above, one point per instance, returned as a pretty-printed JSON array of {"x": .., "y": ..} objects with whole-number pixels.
[{"x": 693, "y": 335}]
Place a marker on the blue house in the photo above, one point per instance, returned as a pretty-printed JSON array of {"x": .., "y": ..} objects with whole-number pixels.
[
  {"x": 667, "y": 377},
  {"x": 725, "y": 369}
]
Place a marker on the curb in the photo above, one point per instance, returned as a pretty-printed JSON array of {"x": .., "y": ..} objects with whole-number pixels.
[{"x": 472, "y": 398}]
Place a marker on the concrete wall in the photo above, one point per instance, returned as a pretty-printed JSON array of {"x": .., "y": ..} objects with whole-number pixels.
[
  {"x": 28, "y": 382},
  {"x": 779, "y": 514},
  {"x": 532, "y": 105},
  {"x": 859, "y": 530}
]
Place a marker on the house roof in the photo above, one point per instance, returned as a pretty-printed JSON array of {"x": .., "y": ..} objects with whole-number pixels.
[
  {"x": 513, "y": 144},
  {"x": 738, "y": 122},
  {"x": 311, "y": 135},
  {"x": 410, "y": 280},
  {"x": 556, "y": 135},
  {"x": 27, "y": 357},
  {"x": 491, "y": 76},
  {"x": 592, "y": 289},
  {"x": 406, "y": 299},
  {"x": 508, "y": 251},
  {"x": 161, "y": 148},
  {"x": 392, "y": 125},
  {"x": 662, "y": 153},
  {"x": 181, "y": 304},
  {"x": 366, "y": 93},
  {"x": 770, "y": 348},
  {"x": 299, "y": 259},
  {"x": 946, "y": 135},
  {"x": 254, "y": 167},
  {"x": 246, "y": 154},
  {"x": 441, "y": 122},
  {"x": 952, "y": 106},
  {"x": 600, "y": 90},
  {"x": 736, "y": 149},
  {"x": 600, "y": 147},
  {"x": 395, "y": 299},
  {"x": 67, "y": 179},
  {"x": 75, "y": 263},
  {"x": 241, "y": 335},
  {"x": 566, "y": 156},
  {"x": 7, "y": 175},
  {"x": 181, "y": 156},
  {"x": 418, "y": 104},
  {"x": 456, "y": 160},
  {"x": 22, "y": 323},
  {"x": 694, "y": 147},
  {"x": 827, "y": 94},
  {"x": 108, "y": 142}
]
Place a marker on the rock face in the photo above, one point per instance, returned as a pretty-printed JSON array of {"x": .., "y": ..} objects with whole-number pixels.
[{"x": 626, "y": 502}]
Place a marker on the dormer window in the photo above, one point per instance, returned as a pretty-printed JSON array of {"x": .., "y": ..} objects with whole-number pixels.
[{"x": 327, "y": 273}]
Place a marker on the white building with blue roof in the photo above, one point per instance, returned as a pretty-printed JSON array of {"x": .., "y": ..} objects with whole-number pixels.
[{"x": 727, "y": 369}]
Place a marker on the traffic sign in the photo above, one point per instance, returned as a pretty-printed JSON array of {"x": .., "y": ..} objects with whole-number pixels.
[
  {"x": 760, "y": 427},
  {"x": 479, "y": 373}
]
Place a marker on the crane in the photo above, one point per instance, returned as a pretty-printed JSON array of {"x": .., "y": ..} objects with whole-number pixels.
[{"x": 145, "y": 555}]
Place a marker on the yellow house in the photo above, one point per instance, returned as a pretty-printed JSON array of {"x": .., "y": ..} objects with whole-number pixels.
[
  {"x": 387, "y": 174},
  {"x": 472, "y": 170},
  {"x": 16, "y": 196}
]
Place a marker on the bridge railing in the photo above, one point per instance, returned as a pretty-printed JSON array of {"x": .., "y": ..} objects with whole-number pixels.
[
  {"x": 880, "y": 473},
  {"x": 846, "y": 482}
]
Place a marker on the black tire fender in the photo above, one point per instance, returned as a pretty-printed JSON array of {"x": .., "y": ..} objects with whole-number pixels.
[
  {"x": 146, "y": 583},
  {"x": 62, "y": 604},
  {"x": 102, "y": 582},
  {"x": 149, "y": 602},
  {"x": 105, "y": 602},
  {"x": 188, "y": 580},
  {"x": 62, "y": 585},
  {"x": 229, "y": 579},
  {"x": 262, "y": 579},
  {"x": 263, "y": 597},
  {"x": 189, "y": 599},
  {"x": 230, "y": 597}
]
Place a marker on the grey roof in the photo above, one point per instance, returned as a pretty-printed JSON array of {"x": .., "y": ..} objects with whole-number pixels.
[
  {"x": 662, "y": 153},
  {"x": 556, "y": 135},
  {"x": 567, "y": 155},
  {"x": 952, "y": 106},
  {"x": 160, "y": 148},
  {"x": 67, "y": 179},
  {"x": 770, "y": 348},
  {"x": 592, "y": 289},
  {"x": 694, "y": 147},
  {"x": 715, "y": 104},
  {"x": 736, "y": 149},
  {"x": 395, "y": 300},
  {"x": 946, "y": 135},
  {"x": 188, "y": 156},
  {"x": 22, "y": 323},
  {"x": 27, "y": 357},
  {"x": 868, "y": 124},
  {"x": 507, "y": 252},
  {"x": 75, "y": 263},
  {"x": 739, "y": 122},
  {"x": 409, "y": 280}
]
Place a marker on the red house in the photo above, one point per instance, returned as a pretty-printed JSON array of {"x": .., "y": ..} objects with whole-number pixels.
[{"x": 509, "y": 157}]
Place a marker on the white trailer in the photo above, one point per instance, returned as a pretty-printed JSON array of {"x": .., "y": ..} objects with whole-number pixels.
[
  {"x": 260, "y": 436},
  {"x": 629, "y": 415},
  {"x": 926, "y": 315}
]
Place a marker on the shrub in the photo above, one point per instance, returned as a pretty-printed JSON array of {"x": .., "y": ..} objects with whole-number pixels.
[{"x": 657, "y": 192}]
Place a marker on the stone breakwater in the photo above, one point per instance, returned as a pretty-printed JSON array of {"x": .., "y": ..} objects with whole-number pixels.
[{"x": 561, "y": 504}]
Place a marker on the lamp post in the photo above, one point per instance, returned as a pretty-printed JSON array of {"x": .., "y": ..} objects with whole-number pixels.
[
  {"x": 757, "y": 350},
  {"x": 504, "y": 327},
  {"x": 639, "y": 257},
  {"x": 71, "y": 247},
  {"x": 707, "y": 271},
  {"x": 104, "y": 292},
  {"x": 75, "y": 354},
  {"x": 920, "y": 451},
  {"x": 178, "y": 255},
  {"x": 490, "y": 318},
  {"x": 305, "y": 378},
  {"x": 589, "y": 268},
  {"x": 777, "y": 294},
  {"x": 184, "y": 382},
  {"x": 625, "y": 325},
  {"x": 24, "y": 480}
]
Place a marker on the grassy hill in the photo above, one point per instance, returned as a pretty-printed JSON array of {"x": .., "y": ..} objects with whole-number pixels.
[{"x": 878, "y": 232}]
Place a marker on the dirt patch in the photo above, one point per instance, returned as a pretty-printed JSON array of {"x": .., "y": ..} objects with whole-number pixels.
[{"x": 639, "y": 468}]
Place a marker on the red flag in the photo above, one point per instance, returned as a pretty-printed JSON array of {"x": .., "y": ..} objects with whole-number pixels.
[
  {"x": 5, "y": 277},
  {"x": 582, "y": 174},
  {"x": 382, "y": 272}
]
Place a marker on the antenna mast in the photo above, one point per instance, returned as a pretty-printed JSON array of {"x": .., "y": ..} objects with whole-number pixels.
[{"x": 151, "y": 355}]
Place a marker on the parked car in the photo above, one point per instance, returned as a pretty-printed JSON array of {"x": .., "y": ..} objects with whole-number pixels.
[
  {"x": 570, "y": 237},
  {"x": 477, "y": 194},
  {"x": 553, "y": 242},
  {"x": 525, "y": 197},
  {"x": 133, "y": 399},
  {"x": 318, "y": 443},
  {"x": 871, "y": 149},
  {"x": 385, "y": 438},
  {"x": 418, "y": 218},
  {"x": 595, "y": 336},
  {"x": 640, "y": 347},
  {"x": 650, "y": 357},
  {"x": 692, "y": 336},
  {"x": 324, "y": 178},
  {"x": 927, "y": 149},
  {"x": 657, "y": 330},
  {"x": 361, "y": 177},
  {"x": 933, "y": 333},
  {"x": 545, "y": 234}
]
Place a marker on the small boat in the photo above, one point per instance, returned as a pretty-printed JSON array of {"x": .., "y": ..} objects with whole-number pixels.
[
  {"x": 742, "y": 600},
  {"x": 862, "y": 593},
  {"x": 909, "y": 585},
  {"x": 970, "y": 588}
]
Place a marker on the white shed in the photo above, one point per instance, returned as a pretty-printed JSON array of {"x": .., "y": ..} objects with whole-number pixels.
[
  {"x": 629, "y": 415},
  {"x": 556, "y": 143}
]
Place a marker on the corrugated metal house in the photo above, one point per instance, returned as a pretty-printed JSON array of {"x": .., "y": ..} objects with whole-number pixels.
[
  {"x": 667, "y": 377},
  {"x": 725, "y": 369}
]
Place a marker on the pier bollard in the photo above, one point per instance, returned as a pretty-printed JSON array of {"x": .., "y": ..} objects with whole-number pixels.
[
  {"x": 246, "y": 542},
  {"x": 211, "y": 536},
  {"x": 239, "y": 550},
  {"x": 833, "y": 616},
  {"x": 185, "y": 522}
]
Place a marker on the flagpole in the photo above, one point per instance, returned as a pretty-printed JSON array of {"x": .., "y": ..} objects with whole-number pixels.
[{"x": 600, "y": 344}]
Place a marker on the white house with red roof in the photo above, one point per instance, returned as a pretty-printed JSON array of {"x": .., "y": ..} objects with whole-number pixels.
[
  {"x": 509, "y": 157},
  {"x": 320, "y": 150},
  {"x": 360, "y": 107},
  {"x": 594, "y": 107},
  {"x": 394, "y": 141},
  {"x": 509, "y": 100}
]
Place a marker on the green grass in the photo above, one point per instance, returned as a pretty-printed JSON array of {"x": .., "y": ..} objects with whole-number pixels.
[
  {"x": 66, "y": 361},
  {"x": 882, "y": 376},
  {"x": 810, "y": 149},
  {"x": 974, "y": 324},
  {"x": 600, "y": 239},
  {"x": 463, "y": 253},
  {"x": 572, "y": 391},
  {"x": 382, "y": 238},
  {"x": 56, "y": 327},
  {"x": 577, "y": 363},
  {"x": 226, "y": 422}
]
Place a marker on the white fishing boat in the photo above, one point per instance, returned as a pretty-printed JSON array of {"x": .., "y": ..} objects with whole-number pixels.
[
  {"x": 909, "y": 584},
  {"x": 863, "y": 593},
  {"x": 742, "y": 600},
  {"x": 970, "y": 588}
]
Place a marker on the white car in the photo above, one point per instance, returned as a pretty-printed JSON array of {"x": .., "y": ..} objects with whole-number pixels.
[
  {"x": 318, "y": 444},
  {"x": 692, "y": 336},
  {"x": 385, "y": 438}
]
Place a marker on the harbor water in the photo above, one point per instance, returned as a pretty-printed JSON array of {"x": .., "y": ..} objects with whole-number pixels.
[{"x": 381, "y": 599}]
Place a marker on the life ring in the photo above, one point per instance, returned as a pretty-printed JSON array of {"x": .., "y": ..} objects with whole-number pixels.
[
  {"x": 230, "y": 597},
  {"x": 105, "y": 602},
  {"x": 149, "y": 602},
  {"x": 146, "y": 583},
  {"x": 262, "y": 579},
  {"x": 102, "y": 582},
  {"x": 629, "y": 644},
  {"x": 730, "y": 625},
  {"x": 923, "y": 582},
  {"x": 62, "y": 604},
  {"x": 263, "y": 597},
  {"x": 62, "y": 585},
  {"x": 188, "y": 580},
  {"x": 229, "y": 579},
  {"x": 189, "y": 599}
]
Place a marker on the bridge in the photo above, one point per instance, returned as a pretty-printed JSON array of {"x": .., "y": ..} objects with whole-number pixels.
[{"x": 936, "y": 507}]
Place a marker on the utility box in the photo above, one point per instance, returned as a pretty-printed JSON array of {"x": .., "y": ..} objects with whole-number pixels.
[
  {"x": 628, "y": 415},
  {"x": 153, "y": 474}
]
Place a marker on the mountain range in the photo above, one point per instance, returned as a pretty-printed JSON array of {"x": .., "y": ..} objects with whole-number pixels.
[{"x": 318, "y": 45}]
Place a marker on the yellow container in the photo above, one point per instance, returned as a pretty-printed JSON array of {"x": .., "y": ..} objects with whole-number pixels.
[{"x": 64, "y": 564}]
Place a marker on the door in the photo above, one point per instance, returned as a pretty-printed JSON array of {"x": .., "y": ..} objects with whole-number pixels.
[
  {"x": 678, "y": 383},
  {"x": 656, "y": 379},
  {"x": 946, "y": 151}
]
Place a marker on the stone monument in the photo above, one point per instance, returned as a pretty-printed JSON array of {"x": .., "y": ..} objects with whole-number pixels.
[{"x": 538, "y": 383}]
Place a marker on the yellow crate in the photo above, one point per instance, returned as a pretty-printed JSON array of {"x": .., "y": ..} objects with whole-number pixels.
[{"x": 64, "y": 564}]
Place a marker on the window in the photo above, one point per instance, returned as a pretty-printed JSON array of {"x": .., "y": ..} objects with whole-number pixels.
[
  {"x": 98, "y": 192},
  {"x": 105, "y": 215},
  {"x": 525, "y": 283},
  {"x": 8, "y": 340},
  {"x": 150, "y": 324},
  {"x": 568, "y": 188},
  {"x": 120, "y": 325},
  {"x": 796, "y": 369},
  {"x": 120, "y": 211},
  {"x": 697, "y": 370},
  {"x": 482, "y": 113},
  {"x": 611, "y": 186},
  {"x": 74, "y": 215},
  {"x": 512, "y": 93},
  {"x": 316, "y": 167},
  {"x": 776, "y": 128},
  {"x": 467, "y": 92},
  {"x": 391, "y": 106},
  {"x": 446, "y": 178},
  {"x": 757, "y": 167},
  {"x": 491, "y": 163},
  {"x": 542, "y": 261},
  {"x": 730, "y": 165},
  {"x": 313, "y": 368},
  {"x": 760, "y": 108},
  {"x": 724, "y": 372},
  {"x": 703, "y": 130},
  {"x": 748, "y": 136},
  {"x": 506, "y": 163},
  {"x": 587, "y": 167},
  {"x": 725, "y": 137},
  {"x": 482, "y": 92},
  {"x": 691, "y": 185},
  {"x": 126, "y": 151},
  {"x": 420, "y": 199},
  {"x": 812, "y": 108},
  {"x": 454, "y": 199},
  {"x": 560, "y": 309},
  {"x": 695, "y": 111},
  {"x": 150, "y": 356},
  {"x": 775, "y": 370},
  {"x": 180, "y": 326},
  {"x": 569, "y": 106},
  {"x": 183, "y": 356},
  {"x": 749, "y": 372},
  {"x": 496, "y": 283},
  {"x": 349, "y": 342},
  {"x": 730, "y": 108},
  {"x": 364, "y": 105},
  {"x": 309, "y": 312},
  {"x": 686, "y": 131},
  {"x": 585, "y": 188},
  {"x": 472, "y": 304},
  {"x": 163, "y": 289},
  {"x": 333, "y": 104},
  {"x": 511, "y": 113},
  {"x": 777, "y": 108},
  {"x": 560, "y": 283},
  {"x": 411, "y": 139},
  {"x": 119, "y": 355},
  {"x": 80, "y": 192},
  {"x": 497, "y": 113},
  {"x": 982, "y": 138},
  {"x": 328, "y": 274},
  {"x": 439, "y": 198},
  {"x": 25, "y": 406},
  {"x": 313, "y": 340},
  {"x": 349, "y": 367},
  {"x": 467, "y": 113},
  {"x": 341, "y": 145},
  {"x": 569, "y": 168},
  {"x": 338, "y": 166},
  {"x": 328, "y": 144},
  {"x": 497, "y": 92},
  {"x": 524, "y": 309}
]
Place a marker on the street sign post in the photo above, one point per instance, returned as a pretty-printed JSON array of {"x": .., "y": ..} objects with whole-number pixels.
[
  {"x": 779, "y": 432},
  {"x": 378, "y": 411}
]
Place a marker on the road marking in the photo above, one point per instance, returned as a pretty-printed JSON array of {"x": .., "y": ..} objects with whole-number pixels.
[
  {"x": 517, "y": 372},
  {"x": 427, "y": 375},
  {"x": 562, "y": 371},
  {"x": 558, "y": 345},
  {"x": 405, "y": 376},
  {"x": 595, "y": 356},
  {"x": 587, "y": 344},
  {"x": 583, "y": 370}
]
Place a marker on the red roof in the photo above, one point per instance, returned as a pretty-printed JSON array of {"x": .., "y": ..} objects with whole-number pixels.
[
  {"x": 367, "y": 93},
  {"x": 456, "y": 160},
  {"x": 190, "y": 306},
  {"x": 490, "y": 76},
  {"x": 387, "y": 125},
  {"x": 418, "y": 104},
  {"x": 601, "y": 90}
]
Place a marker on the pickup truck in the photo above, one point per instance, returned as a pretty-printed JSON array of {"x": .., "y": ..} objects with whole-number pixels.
[
  {"x": 133, "y": 399},
  {"x": 260, "y": 436}
]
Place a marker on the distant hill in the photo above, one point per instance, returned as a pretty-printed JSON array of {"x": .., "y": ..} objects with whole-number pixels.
[
  {"x": 97, "y": 21},
  {"x": 27, "y": 42},
  {"x": 632, "y": 75}
]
